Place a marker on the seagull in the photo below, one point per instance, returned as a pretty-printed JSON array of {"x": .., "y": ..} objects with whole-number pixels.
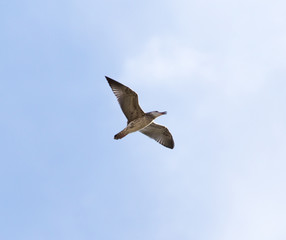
[{"x": 137, "y": 119}]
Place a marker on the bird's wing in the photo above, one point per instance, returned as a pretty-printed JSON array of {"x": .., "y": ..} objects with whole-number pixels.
[
  {"x": 159, "y": 133},
  {"x": 127, "y": 99}
]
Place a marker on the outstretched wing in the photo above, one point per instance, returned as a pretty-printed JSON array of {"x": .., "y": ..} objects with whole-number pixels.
[
  {"x": 127, "y": 99},
  {"x": 159, "y": 133}
]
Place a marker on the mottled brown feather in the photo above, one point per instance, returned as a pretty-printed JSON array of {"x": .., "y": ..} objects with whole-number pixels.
[
  {"x": 127, "y": 99},
  {"x": 159, "y": 133}
]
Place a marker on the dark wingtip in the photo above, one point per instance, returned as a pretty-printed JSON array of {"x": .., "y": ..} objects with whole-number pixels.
[
  {"x": 110, "y": 80},
  {"x": 172, "y": 146}
]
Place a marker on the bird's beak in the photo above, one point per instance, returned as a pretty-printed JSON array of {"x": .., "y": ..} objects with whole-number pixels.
[{"x": 163, "y": 113}]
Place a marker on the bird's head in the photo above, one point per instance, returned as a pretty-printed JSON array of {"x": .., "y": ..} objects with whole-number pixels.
[{"x": 156, "y": 114}]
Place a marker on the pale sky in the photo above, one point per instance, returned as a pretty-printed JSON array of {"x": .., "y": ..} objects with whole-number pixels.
[{"x": 217, "y": 67}]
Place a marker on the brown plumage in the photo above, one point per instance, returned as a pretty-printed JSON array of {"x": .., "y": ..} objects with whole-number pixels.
[{"x": 137, "y": 119}]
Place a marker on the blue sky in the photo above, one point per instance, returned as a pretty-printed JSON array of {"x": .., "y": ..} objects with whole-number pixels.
[{"x": 217, "y": 67}]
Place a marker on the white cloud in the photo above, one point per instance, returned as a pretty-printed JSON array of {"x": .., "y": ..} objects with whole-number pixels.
[
  {"x": 171, "y": 63},
  {"x": 165, "y": 60},
  {"x": 234, "y": 47}
]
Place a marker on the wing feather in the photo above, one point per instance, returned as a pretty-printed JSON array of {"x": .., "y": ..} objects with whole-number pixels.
[
  {"x": 159, "y": 133},
  {"x": 127, "y": 99}
]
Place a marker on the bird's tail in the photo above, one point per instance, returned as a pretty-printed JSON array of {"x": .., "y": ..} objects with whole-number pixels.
[{"x": 121, "y": 134}]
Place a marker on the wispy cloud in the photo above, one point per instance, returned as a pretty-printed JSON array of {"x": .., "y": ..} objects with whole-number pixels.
[
  {"x": 171, "y": 63},
  {"x": 165, "y": 60}
]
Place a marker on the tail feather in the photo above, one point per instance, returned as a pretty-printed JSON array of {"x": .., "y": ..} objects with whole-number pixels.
[{"x": 121, "y": 134}]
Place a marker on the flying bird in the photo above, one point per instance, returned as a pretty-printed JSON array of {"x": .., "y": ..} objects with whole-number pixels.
[{"x": 137, "y": 119}]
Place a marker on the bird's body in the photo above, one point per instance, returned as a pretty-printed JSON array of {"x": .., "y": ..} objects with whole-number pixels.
[
  {"x": 137, "y": 119},
  {"x": 135, "y": 125}
]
